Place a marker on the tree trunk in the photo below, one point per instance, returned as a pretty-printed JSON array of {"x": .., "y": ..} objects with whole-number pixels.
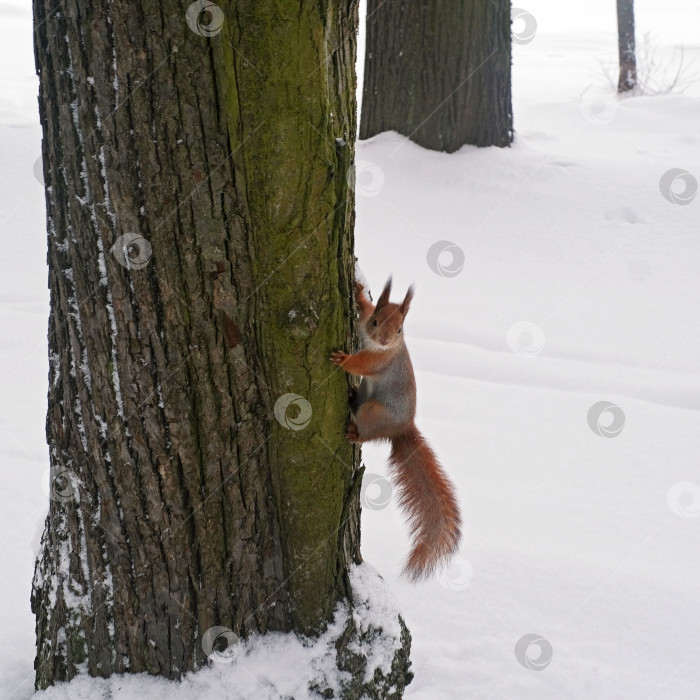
[
  {"x": 439, "y": 72},
  {"x": 626, "y": 45},
  {"x": 200, "y": 237}
]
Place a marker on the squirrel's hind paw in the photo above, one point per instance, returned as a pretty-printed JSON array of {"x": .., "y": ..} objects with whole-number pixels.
[{"x": 352, "y": 435}]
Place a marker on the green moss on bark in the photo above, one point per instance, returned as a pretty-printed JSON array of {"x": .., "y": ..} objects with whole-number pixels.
[{"x": 289, "y": 107}]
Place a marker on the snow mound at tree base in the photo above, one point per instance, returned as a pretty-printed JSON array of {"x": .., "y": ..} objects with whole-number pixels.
[{"x": 363, "y": 653}]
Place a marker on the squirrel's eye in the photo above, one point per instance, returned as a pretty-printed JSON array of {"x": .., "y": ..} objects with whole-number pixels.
[
  {"x": 375, "y": 322},
  {"x": 399, "y": 331}
]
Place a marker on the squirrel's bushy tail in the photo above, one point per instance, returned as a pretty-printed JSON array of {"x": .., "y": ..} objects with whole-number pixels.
[{"x": 428, "y": 499}]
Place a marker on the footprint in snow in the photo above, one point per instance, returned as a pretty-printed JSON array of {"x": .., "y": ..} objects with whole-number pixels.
[{"x": 624, "y": 215}]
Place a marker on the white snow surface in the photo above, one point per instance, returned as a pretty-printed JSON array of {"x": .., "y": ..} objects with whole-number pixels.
[{"x": 579, "y": 285}]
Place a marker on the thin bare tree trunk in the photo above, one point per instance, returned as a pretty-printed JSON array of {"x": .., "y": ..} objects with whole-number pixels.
[{"x": 626, "y": 46}]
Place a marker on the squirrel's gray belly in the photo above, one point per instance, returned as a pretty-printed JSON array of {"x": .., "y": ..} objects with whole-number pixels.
[{"x": 391, "y": 391}]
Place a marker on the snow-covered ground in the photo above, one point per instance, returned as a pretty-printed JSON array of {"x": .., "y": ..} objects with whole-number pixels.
[{"x": 579, "y": 285}]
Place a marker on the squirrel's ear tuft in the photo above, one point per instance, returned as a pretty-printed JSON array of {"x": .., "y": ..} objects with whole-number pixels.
[
  {"x": 407, "y": 301},
  {"x": 384, "y": 296}
]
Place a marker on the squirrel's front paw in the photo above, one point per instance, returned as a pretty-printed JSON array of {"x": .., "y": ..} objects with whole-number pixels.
[
  {"x": 359, "y": 288},
  {"x": 352, "y": 435},
  {"x": 338, "y": 357}
]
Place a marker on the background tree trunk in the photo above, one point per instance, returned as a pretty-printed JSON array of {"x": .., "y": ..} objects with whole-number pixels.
[
  {"x": 439, "y": 72},
  {"x": 200, "y": 236},
  {"x": 626, "y": 45}
]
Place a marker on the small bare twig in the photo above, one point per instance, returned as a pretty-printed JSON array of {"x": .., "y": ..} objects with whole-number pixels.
[{"x": 656, "y": 75}]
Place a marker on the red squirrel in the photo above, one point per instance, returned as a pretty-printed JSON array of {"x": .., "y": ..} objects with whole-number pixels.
[{"x": 383, "y": 407}]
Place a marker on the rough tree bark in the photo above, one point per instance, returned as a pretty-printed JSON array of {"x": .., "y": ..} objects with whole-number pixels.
[
  {"x": 626, "y": 46},
  {"x": 200, "y": 235},
  {"x": 439, "y": 72}
]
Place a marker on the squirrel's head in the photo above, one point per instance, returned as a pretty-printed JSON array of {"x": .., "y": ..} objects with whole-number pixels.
[{"x": 384, "y": 328}]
